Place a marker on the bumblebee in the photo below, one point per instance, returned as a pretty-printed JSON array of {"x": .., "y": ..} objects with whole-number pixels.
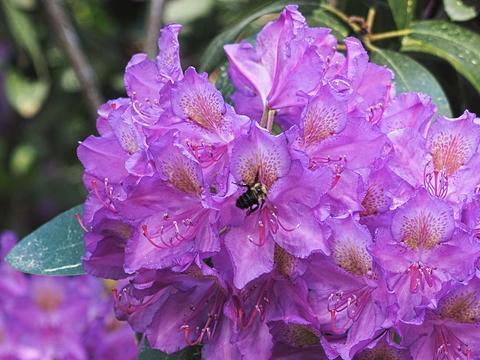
[{"x": 253, "y": 198}]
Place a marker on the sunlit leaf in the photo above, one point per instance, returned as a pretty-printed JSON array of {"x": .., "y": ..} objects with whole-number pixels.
[
  {"x": 453, "y": 43},
  {"x": 22, "y": 159},
  {"x": 403, "y": 11},
  {"x": 55, "y": 248},
  {"x": 411, "y": 76},
  {"x": 26, "y": 96},
  {"x": 462, "y": 10}
]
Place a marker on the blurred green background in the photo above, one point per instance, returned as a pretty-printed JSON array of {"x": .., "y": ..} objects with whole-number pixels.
[{"x": 44, "y": 111}]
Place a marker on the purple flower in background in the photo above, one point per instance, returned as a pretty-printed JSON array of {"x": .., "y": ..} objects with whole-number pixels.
[{"x": 43, "y": 318}]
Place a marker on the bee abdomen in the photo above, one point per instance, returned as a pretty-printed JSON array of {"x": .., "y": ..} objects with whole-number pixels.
[{"x": 246, "y": 200}]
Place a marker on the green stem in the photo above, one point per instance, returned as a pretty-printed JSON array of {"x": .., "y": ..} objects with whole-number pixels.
[
  {"x": 388, "y": 35},
  {"x": 263, "y": 122},
  {"x": 270, "y": 118},
  {"x": 342, "y": 17},
  {"x": 370, "y": 18}
]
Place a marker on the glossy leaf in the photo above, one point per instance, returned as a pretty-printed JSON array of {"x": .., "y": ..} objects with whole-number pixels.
[
  {"x": 147, "y": 353},
  {"x": 26, "y": 96},
  {"x": 459, "y": 46},
  {"x": 461, "y": 10},
  {"x": 411, "y": 76},
  {"x": 403, "y": 11},
  {"x": 325, "y": 19},
  {"x": 55, "y": 248},
  {"x": 213, "y": 55}
]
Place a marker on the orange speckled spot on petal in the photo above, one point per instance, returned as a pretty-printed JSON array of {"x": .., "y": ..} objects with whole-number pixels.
[
  {"x": 182, "y": 173},
  {"x": 375, "y": 201},
  {"x": 424, "y": 230},
  {"x": 449, "y": 152},
  {"x": 352, "y": 257},
  {"x": 463, "y": 307}
]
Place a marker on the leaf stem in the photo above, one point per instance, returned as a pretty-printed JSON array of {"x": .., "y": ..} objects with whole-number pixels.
[
  {"x": 371, "y": 18},
  {"x": 388, "y": 35},
  {"x": 356, "y": 28}
]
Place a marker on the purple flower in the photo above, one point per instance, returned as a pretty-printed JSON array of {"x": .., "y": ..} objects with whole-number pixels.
[
  {"x": 289, "y": 58},
  {"x": 352, "y": 304},
  {"x": 422, "y": 251},
  {"x": 451, "y": 330},
  {"x": 285, "y": 217},
  {"x": 333, "y": 219}
]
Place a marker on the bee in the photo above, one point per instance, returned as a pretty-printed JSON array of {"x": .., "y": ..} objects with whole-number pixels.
[{"x": 253, "y": 198}]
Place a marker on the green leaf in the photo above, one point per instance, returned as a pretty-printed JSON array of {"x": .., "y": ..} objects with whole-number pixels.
[
  {"x": 411, "y": 76},
  {"x": 224, "y": 85},
  {"x": 325, "y": 19},
  {"x": 147, "y": 353},
  {"x": 457, "y": 45},
  {"x": 24, "y": 32},
  {"x": 26, "y": 96},
  {"x": 55, "y": 248},
  {"x": 403, "y": 11},
  {"x": 214, "y": 52},
  {"x": 461, "y": 10}
]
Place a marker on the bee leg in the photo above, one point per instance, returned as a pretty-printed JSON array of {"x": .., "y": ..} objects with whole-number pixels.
[
  {"x": 253, "y": 208},
  {"x": 243, "y": 185},
  {"x": 261, "y": 205}
]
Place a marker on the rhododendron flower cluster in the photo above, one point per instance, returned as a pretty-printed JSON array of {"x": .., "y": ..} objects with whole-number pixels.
[
  {"x": 323, "y": 215},
  {"x": 47, "y": 318}
]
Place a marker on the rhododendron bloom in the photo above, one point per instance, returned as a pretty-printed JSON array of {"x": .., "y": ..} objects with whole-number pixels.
[{"x": 321, "y": 215}]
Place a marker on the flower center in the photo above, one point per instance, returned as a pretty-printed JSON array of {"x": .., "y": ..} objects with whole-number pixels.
[
  {"x": 449, "y": 152},
  {"x": 284, "y": 262},
  {"x": 352, "y": 258},
  {"x": 449, "y": 346},
  {"x": 213, "y": 301},
  {"x": 419, "y": 275},
  {"x": 375, "y": 201},
  {"x": 297, "y": 335},
  {"x": 348, "y": 303},
  {"x": 48, "y": 300},
  {"x": 380, "y": 352},
  {"x": 463, "y": 308},
  {"x": 423, "y": 230},
  {"x": 181, "y": 173}
]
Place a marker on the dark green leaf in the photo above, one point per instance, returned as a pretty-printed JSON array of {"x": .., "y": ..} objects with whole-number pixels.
[
  {"x": 24, "y": 32},
  {"x": 147, "y": 353},
  {"x": 461, "y": 10},
  {"x": 224, "y": 84},
  {"x": 55, "y": 248},
  {"x": 403, "y": 11},
  {"x": 325, "y": 19},
  {"x": 214, "y": 52},
  {"x": 411, "y": 76},
  {"x": 459, "y": 46}
]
